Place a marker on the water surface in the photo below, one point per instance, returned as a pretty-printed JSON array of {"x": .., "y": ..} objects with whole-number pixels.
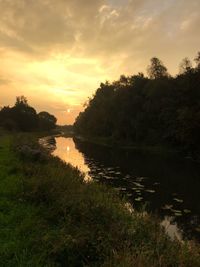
[{"x": 167, "y": 186}]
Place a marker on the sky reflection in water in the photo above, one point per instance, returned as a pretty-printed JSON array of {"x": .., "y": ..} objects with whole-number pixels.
[{"x": 167, "y": 187}]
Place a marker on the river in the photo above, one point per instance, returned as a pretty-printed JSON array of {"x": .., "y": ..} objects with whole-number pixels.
[{"x": 165, "y": 185}]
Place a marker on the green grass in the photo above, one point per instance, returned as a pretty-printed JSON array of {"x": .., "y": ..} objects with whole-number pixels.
[
  {"x": 19, "y": 220},
  {"x": 50, "y": 217}
]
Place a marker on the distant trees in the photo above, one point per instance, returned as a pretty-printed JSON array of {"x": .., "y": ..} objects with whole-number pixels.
[
  {"x": 21, "y": 101},
  {"x": 185, "y": 66},
  {"x": 46, "y": 120},
  {"x": 157, "y": 110},
  {"x": 23, "y": 117},
  {"x": 197, "y": 60},
  {"x": 6, "y": 120},
  {"x": 156, "y": 69}
]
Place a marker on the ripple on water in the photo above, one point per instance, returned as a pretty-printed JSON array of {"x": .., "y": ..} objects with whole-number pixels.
[
  {"x": 167, "y": 207},
  {"x": 177, "y": 212},
  {"x": 137, "y": 187},
  {"x": 137, "y": 191},
  {"x": 109, "y": 177},
  {"x": 112, "y": 172},
  {"x": 178, "y": 200},
  {"x": 140, "y": 179},
  {"x": 138, "y": 199},
  {"x": 150, "y": 190},
  {"x": 134, "y": 188},
  {"x": 123, "y": 188},
  {"x": 187, "y": 211},
  {"x": 138, "y": 184}
]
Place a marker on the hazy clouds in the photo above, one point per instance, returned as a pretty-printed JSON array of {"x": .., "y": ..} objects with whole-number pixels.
[{"x": 74, "y": 44}]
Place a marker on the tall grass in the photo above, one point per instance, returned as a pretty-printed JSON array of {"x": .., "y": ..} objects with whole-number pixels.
[{"x": 60, "y": 220}]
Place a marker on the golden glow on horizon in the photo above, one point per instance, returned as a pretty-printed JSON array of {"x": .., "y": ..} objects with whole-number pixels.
[{"x": 49, "y": 82}]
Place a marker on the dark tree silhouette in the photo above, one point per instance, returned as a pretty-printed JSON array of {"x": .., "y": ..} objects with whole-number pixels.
[
  {"x": 156, "y": 69},
  {"x": 135, "y": 109},
  {"x": 21, "y": 100},
  {"x": 197, "y": 60},
  {"x": 185, "y": 66},
  {"x": 46, "y": 121},
  {"x": 23, "y": 117},
  {"x": 6, "y": 120}
]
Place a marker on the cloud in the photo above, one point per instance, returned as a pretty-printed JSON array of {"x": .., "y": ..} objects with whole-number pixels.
[
  {"x": 4, "y": 81},
  {"x": 94, "y": 28},
  {"x": 65, "y": 48}
]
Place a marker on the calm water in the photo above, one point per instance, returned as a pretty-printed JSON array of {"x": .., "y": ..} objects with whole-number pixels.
[{"x": 167, "y": 186}]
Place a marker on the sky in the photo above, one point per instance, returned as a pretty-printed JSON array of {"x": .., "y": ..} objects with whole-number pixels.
[{"x": 57, "y": 52}]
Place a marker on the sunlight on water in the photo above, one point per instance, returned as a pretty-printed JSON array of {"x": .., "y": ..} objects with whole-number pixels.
[
  {"x": 160, "y": 185},
  {"x": 66, "y": 150},
  {"x": 171, "y": 228}
]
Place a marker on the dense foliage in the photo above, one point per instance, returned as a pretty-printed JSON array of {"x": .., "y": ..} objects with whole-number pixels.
[
  {"x": 157, "y": 110},
  {"x": 23, "y": 117}
]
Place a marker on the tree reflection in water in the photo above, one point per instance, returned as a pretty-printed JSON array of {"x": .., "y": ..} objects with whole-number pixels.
[{"x": 167, "y": 185}]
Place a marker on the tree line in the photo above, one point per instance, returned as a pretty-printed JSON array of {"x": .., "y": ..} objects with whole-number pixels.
[
  {"x": 157, "y": 109},
  {"x": 23, "y": 117}
]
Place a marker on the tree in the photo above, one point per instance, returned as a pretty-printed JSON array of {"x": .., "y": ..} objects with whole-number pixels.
[
  {"x": 24, "y": 115},
  {"x": 156, "y": 69},
  {"x": 185, "y": 66},
  {"x": 197, "y": 60},
  {"x": 6, "y": 119},
  {"x": 21, "y": 100},
  {"x": 137, "y": 109},
  {"x": 46, "y": 121}
]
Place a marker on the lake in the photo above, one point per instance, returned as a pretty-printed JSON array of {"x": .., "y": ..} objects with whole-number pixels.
[{"x": 165, "y": 185}]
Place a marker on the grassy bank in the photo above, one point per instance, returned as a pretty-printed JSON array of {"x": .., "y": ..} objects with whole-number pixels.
[{"x": 50, "y": 217}]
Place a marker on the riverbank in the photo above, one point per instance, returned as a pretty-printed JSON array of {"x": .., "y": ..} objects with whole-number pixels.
[
  {"x": 155, "y": 149},
  {"x": 50, "y": 217},
  {"x": 109, "y": 142}
]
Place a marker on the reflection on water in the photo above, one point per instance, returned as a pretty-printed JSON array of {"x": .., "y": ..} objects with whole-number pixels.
[
  {"x": 66, "y": 150},
  {"x": 171, "y": 227},
  {"x": 167, "y": 186}
]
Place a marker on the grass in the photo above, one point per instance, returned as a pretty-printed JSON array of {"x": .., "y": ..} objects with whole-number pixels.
[{"x": 50, "y": 217}]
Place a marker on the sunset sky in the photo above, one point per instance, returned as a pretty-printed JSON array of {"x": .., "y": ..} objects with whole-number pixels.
[{"x": 56, "y": 52}]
